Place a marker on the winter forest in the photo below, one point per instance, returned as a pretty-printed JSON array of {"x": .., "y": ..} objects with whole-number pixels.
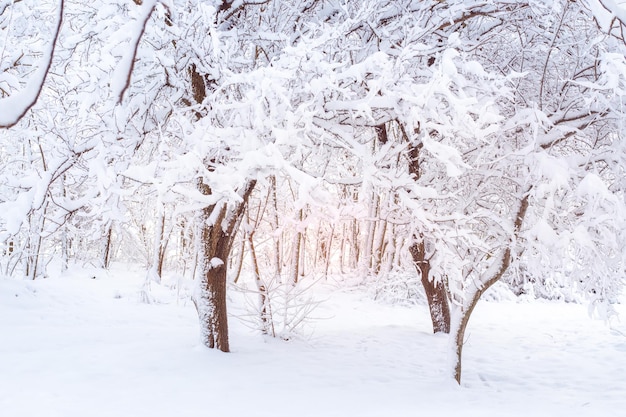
[{"x": 248, "y": 164}]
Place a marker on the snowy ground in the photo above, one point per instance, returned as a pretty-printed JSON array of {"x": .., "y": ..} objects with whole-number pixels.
[{"x": 76, "y": 346}]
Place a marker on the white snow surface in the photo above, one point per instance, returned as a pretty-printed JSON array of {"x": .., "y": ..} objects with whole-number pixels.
[{"x": 82, "y": 344}]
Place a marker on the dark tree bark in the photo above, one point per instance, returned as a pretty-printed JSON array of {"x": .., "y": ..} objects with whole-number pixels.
[
  {"x": 217, "y": 234},
  {"x": 436, "y": 293},
  {"x": 106, "y": 255},
  {"x": 212, "y": 309}
]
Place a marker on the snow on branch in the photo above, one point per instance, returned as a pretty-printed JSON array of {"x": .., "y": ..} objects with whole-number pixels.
[
  {"x": 14, "y": 107},
  {"x": 616, "y": 8},
  {"x": 124, "y": 69},
  {"x": 607, "y": 11},
  {"x": 232, "y": 7}
]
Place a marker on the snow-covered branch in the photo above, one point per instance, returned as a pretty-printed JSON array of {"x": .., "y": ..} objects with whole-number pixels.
[
  {"x": 14, "y": 107},
  {"x": 124, "y": 71}
]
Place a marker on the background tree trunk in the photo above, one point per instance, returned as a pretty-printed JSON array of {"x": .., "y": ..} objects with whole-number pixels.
[
  {"x": 297, "y": 249},
  {"x": 106, "y": 247}
]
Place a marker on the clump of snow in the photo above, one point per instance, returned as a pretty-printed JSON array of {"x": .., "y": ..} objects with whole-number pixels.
[{"x": 215, "y": 263}]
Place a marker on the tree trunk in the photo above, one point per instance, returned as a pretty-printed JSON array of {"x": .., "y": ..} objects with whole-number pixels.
[
  {"x": 463, "y": 316},
  {"x": 327, "y": 254},
  {"x": 214, "y": 318},
  {"x": 212, "y": 303},
  {"x": 342, "y": 249},
  {"x": 267, "y": 324},
  {"x": 216, "y": 240},
  {"x": 436, "y": 293},
  {"x": 368, "y": 242},
  {"x": 459, "y": 333},
  {"x": 106, "y": 250},
  {"x": 240, "y": 256},
  {"x": 163, "y": 247},
  {"x": 379, "y": 246},
  {"x": 296, "y": 250},
  {"x": 34, "y": 263},
  {"x": 158, "y": 248},
  {"x": 65, "y": 249},
  {"x": 275, "y": 225},
  {"x": 355, "y": 249}
]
